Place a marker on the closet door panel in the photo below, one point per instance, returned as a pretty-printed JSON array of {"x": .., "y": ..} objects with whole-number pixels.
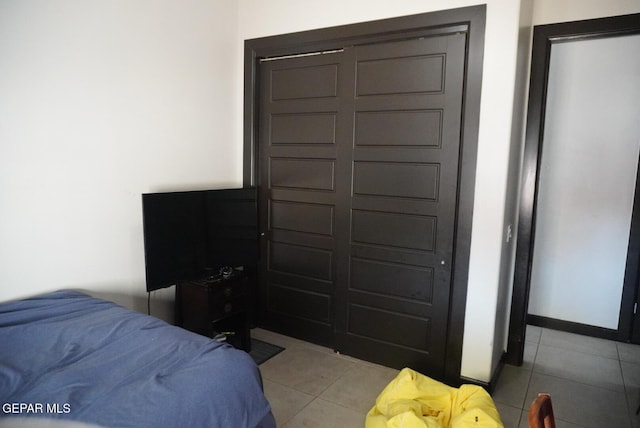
[
  {"x": 301, "y": 119},
  {"x": 415, "y": 71},
  {"x": 359, "y": 162},
  {"x": 302, "y": 173},
  {"x": 395, "y": 230},
  {"x": 410, "y": 128},
  {"x": 292, "y": 81},
  {"x": 394, "y": 307},
  {"x": 409, "y": 179},
  {"x": 302, "y": 217},
  {"x": 305, "y": 128}
]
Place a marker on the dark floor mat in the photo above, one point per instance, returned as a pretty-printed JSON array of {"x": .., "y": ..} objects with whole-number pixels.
[{"x": 262, "y": 351}]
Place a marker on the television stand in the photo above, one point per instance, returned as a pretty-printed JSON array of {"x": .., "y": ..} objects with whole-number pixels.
[{"x": 216, "y": 305}]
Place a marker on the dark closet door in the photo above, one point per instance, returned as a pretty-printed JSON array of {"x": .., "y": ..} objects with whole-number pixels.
[
  {"x": 407, "y": 130},
  {"x": 359, "y": 170},
  {"x": 303, "y": 123}
]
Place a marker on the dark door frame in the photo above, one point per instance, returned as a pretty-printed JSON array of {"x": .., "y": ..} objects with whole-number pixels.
[
  {"x": 544, "y": 36},
  {"x": 469, "y": 20}
]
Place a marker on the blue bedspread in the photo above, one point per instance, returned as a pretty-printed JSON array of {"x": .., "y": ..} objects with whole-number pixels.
[{"x": 70, "y": 356}]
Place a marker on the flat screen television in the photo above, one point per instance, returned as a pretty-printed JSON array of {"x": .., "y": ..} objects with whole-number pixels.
[{"x": 192, "y": 234}]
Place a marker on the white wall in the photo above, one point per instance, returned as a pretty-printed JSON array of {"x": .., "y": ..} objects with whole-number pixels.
[
  {"x": 513, "y": 182},
  {"x": 551, "y": 11},
  {"x": 102, "y": 101},
  {"x": 258, "y": 18},
  {"x": 587, "y": 181}
]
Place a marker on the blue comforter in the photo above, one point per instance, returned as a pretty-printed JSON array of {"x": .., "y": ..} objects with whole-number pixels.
[{"x": 67, "y": 355}]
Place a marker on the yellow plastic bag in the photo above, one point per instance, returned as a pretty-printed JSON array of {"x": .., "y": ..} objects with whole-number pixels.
[{"x": 413, "y": 400}]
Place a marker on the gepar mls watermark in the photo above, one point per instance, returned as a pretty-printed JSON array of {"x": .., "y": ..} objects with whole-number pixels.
[{"x": 35, "y": 408}]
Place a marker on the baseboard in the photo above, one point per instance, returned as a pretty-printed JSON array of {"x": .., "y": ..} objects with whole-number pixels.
[
  {"x": 572, "y": 327},
  {"x": 496, "y": 373},
  {"x": 489, "y": 386}
]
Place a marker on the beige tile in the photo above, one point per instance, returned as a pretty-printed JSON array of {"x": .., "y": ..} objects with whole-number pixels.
[
  {"x": 629, "y": 352},
  {"x": 512, "y": 385},
  {"x": 359, "y": 387},
  {"x": 579, "y": 343},
  {"x": 285, "y": 402},
  {"x": 589, "y": 369},
  {"x": 532, "y": 334},
  {"x": 286, "y": 341},
  {"x": 580, "y": 404},
  {"x": 323, "y": 414},
  {"x": 510, "y": 416},
  {"x": 311, "y": 386},
  {"x": 305, "y": 369},
  {"x": 275, "y": 338},
  {"x": 529, "y": 357}
]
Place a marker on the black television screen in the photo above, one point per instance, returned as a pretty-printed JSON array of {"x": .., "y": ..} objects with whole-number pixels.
[
  {"x": 192, "y": 234},
  {"x": 232, "y": 228}
]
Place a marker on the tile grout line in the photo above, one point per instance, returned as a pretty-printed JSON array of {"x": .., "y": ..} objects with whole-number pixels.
[
  {"x": 318, "y": 397},
  {"x": 630, "y": 410},
  {"x": 533, "y": 366},
  {"x": 525, "y": 408},
  {"x": 591, "y": 385}
]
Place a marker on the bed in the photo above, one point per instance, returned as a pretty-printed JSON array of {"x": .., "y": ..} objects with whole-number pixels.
[{"x": 68, "y": 356}]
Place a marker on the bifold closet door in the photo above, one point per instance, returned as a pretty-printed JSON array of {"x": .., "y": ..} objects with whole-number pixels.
[
  {"x": 407, "y": 130},
  {"x": 359, "y": 154},
  {"x": 305, "y": 129}
]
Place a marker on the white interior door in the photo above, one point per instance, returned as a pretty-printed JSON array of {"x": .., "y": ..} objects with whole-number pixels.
[{"x": 587, "y": 180}]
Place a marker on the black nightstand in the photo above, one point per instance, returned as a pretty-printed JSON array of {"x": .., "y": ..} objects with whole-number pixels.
[{"x": 216, "y": 305}]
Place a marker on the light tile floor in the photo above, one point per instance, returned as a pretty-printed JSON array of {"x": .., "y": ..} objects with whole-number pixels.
[{"x": 592, "y": 382}]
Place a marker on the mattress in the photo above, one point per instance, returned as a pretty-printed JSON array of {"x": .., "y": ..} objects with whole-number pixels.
[{"x": 69, "y": 356}]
